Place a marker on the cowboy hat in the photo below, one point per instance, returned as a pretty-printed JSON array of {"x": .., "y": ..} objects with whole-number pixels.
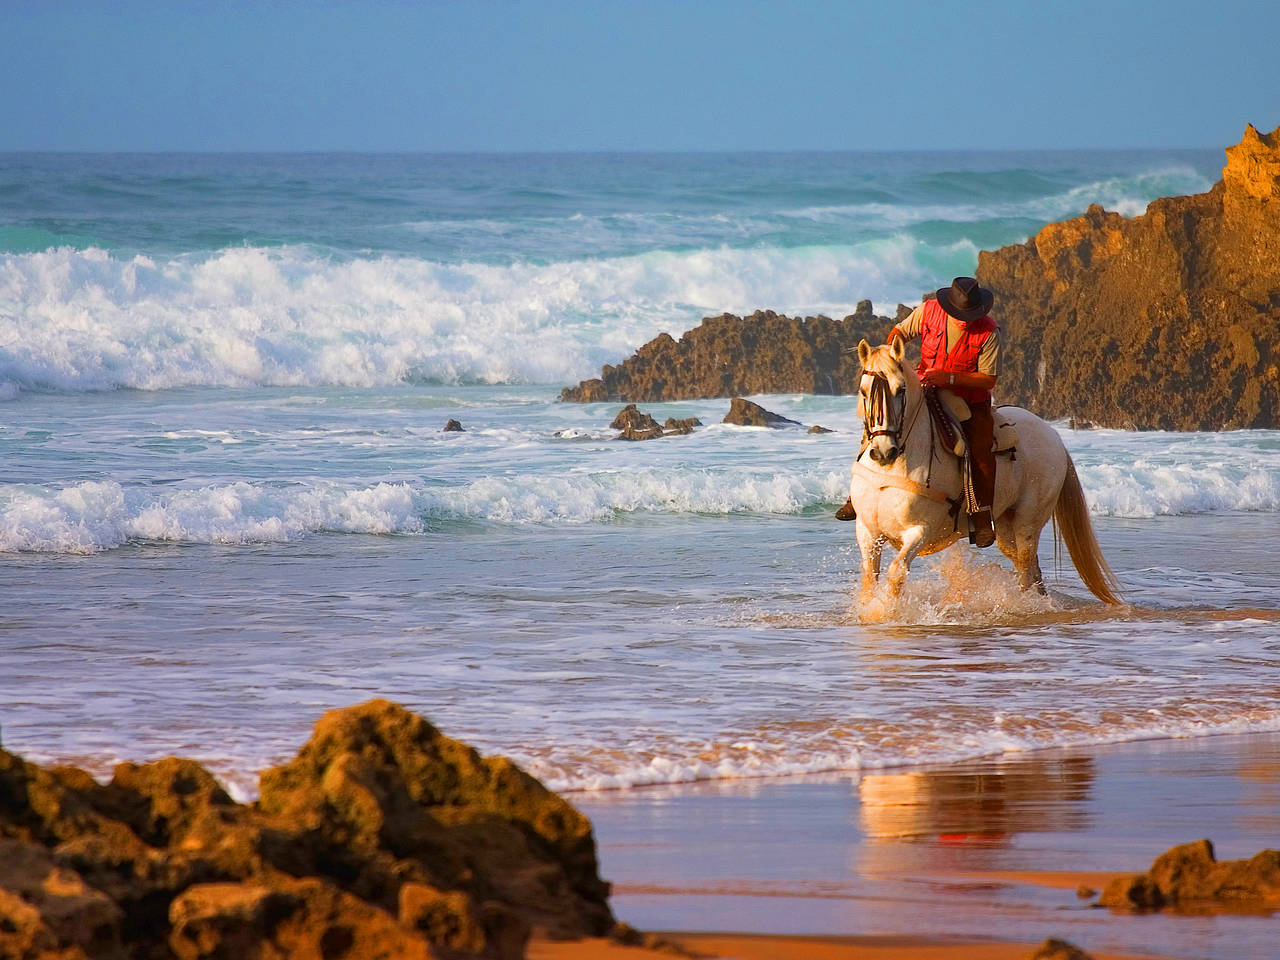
[{"x": 965, "y": 300}]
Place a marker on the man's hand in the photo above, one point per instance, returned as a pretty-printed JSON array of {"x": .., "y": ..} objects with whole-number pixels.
[{"x": 941, "y": 378}]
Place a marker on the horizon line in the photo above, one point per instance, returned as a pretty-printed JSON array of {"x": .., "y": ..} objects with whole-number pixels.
[{"x": 649, "y": 151}]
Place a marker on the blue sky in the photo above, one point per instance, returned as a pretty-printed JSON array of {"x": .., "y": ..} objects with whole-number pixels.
[{"x": 500, "y": 75}]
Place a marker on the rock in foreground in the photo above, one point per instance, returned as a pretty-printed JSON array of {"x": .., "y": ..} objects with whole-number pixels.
[
  {"x": 730, "y": 356},
  {"x": 1169, "y": 320},
  {"x": 382, "y": 838},
  {"x": 1055, "y": 949},
  {"x": 1190, "y": 875}
]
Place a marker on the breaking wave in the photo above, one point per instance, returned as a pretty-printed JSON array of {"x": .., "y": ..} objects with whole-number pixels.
[
  {"x": 79, "y": 320},
  {"x": 103, "y": 514}
]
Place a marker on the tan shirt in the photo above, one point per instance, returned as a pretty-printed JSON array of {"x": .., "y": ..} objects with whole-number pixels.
[{"x": 988, "y": 358}]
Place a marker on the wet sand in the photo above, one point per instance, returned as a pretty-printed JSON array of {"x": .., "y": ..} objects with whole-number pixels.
[{"x": 979, "y": 859}]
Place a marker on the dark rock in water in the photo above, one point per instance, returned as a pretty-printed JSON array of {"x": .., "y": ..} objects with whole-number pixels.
[
  {"x": 744, "y": 413},
  {"x": 631, "y": 417},
  {"x": 636, "y": 425},
  {"x": 1169, "y": 320},
  {"x": 1055, "y": 949},
  {"x": 686, "y": 425},
  {"x": 1189, "y": 874},
  {"x": 381, "y": 838},
  {"x": 730, "y": 356},
  {"x": 453, "y": 426},
  {"x": 642, "y": 433},
  {"x": 818, "y": 428}
]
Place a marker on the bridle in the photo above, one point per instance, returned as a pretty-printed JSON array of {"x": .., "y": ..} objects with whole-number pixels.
[{"x": 884, "y": 411}]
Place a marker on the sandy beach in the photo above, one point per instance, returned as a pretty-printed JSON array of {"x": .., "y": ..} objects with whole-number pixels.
[{"x": 980, "y": 859}]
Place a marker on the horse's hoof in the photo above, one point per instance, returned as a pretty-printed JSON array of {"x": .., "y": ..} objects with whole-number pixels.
[{"x": 873, "y": 610}]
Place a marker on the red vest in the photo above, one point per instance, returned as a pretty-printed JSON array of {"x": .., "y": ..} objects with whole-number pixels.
[{"x": 963, "y": 358}]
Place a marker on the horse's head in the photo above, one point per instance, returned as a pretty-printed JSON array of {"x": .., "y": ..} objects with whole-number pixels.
[{"x": 886, "y": 387}]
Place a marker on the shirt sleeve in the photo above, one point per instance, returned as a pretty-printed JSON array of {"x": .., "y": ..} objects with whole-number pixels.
[
  {"x": 989, "y": 356},
  {"x": 911, "y": 326}
]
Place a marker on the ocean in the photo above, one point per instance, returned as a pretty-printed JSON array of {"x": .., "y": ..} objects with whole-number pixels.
[{"x": 227, "y": 502}]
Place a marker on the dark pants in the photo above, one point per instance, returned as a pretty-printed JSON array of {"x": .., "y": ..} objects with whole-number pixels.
[{"x": 979, "y": 433}]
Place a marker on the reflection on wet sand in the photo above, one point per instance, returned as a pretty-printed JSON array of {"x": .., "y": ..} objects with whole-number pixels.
[{"x": 958, "y": 807}]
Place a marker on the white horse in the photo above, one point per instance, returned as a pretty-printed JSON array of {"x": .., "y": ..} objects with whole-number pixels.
[{"x": 907, "y": 485}]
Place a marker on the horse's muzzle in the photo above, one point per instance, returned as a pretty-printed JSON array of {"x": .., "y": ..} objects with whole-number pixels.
[{"x": 885, "y": 458}]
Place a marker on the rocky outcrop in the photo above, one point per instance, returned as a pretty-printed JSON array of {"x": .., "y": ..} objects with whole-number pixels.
[
  {"x": 381, "y": 838},
  {"x": 744, "y": 413},
  {"x": 453, "y": 426},
  {"x": 1190, "y": 875},
  {"x": 731, "y": 356},
  {"x": 1168, "y": 320}
]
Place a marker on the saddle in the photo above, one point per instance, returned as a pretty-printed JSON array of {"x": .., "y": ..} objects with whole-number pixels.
[{"x": 948, "y": 412}]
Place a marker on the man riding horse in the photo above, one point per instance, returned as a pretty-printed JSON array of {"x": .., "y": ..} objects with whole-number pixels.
[{"x": 960, "y": 353}]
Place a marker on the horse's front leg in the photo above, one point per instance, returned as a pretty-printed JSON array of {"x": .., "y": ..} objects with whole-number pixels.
[
  {"x": 912, "y": 543},
  {"x": 870, "y": 544}
]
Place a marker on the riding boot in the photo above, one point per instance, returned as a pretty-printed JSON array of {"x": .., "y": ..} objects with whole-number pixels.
[
  {"x": 979, "y": 432},
  {"x": 847, "y": 512},
  {"x": 983, "y": 535}
]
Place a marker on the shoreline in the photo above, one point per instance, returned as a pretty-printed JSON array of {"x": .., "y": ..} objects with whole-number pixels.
[{"x": 947, "y": 856}]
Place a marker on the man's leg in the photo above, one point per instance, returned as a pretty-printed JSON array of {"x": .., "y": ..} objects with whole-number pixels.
[{"x": 979, "y": 432}]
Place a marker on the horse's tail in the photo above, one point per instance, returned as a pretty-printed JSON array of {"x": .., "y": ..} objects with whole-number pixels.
[{"x": 1072, "y": 516}]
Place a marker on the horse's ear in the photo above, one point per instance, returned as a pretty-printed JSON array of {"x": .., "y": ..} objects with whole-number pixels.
[
  {"x": 898, "y": 348},
  {"x": 864, "y": 351}
]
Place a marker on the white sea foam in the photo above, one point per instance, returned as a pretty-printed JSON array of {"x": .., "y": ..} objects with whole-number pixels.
[
  {"x": 84, "y": 320},
  {"x": 851, "y": 751},
  {"x": 100, "y": 515},
  {"x": 1144, "y": 489}
]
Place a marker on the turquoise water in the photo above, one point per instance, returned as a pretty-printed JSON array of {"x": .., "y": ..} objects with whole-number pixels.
[{"x": 227, "y": 502}]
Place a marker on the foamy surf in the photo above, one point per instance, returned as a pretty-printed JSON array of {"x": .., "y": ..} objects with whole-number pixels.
[
  {"x": 79, "y": 320},
  {"x": 682, "y": 479},
  {"x": 860, "y": 748}
]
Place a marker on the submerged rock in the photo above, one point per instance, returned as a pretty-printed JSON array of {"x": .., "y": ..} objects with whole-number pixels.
[
  {"x": 729, "y": 355},
  {"x": 453, "y": 426},
  {"x": 818, "y": 428},
  {"x": 383, "y": 837},
  {"x": 1189, "y": 874},
  {"x": 744, "y": 413},
  {"x": 1168, "y": 320}
]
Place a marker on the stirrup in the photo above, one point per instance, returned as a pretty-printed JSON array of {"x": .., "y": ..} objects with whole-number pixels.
[
  {"x": 847, "y": 512},
  {"x": 981, "y": 535}
]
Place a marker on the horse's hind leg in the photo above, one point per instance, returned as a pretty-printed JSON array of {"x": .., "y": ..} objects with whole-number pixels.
[{"x": 1022, "y": 546}]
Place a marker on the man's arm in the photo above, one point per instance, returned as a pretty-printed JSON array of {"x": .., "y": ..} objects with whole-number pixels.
[
  {"x": 910, "y": 327},
  {"x": 972, "y": 381}
]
